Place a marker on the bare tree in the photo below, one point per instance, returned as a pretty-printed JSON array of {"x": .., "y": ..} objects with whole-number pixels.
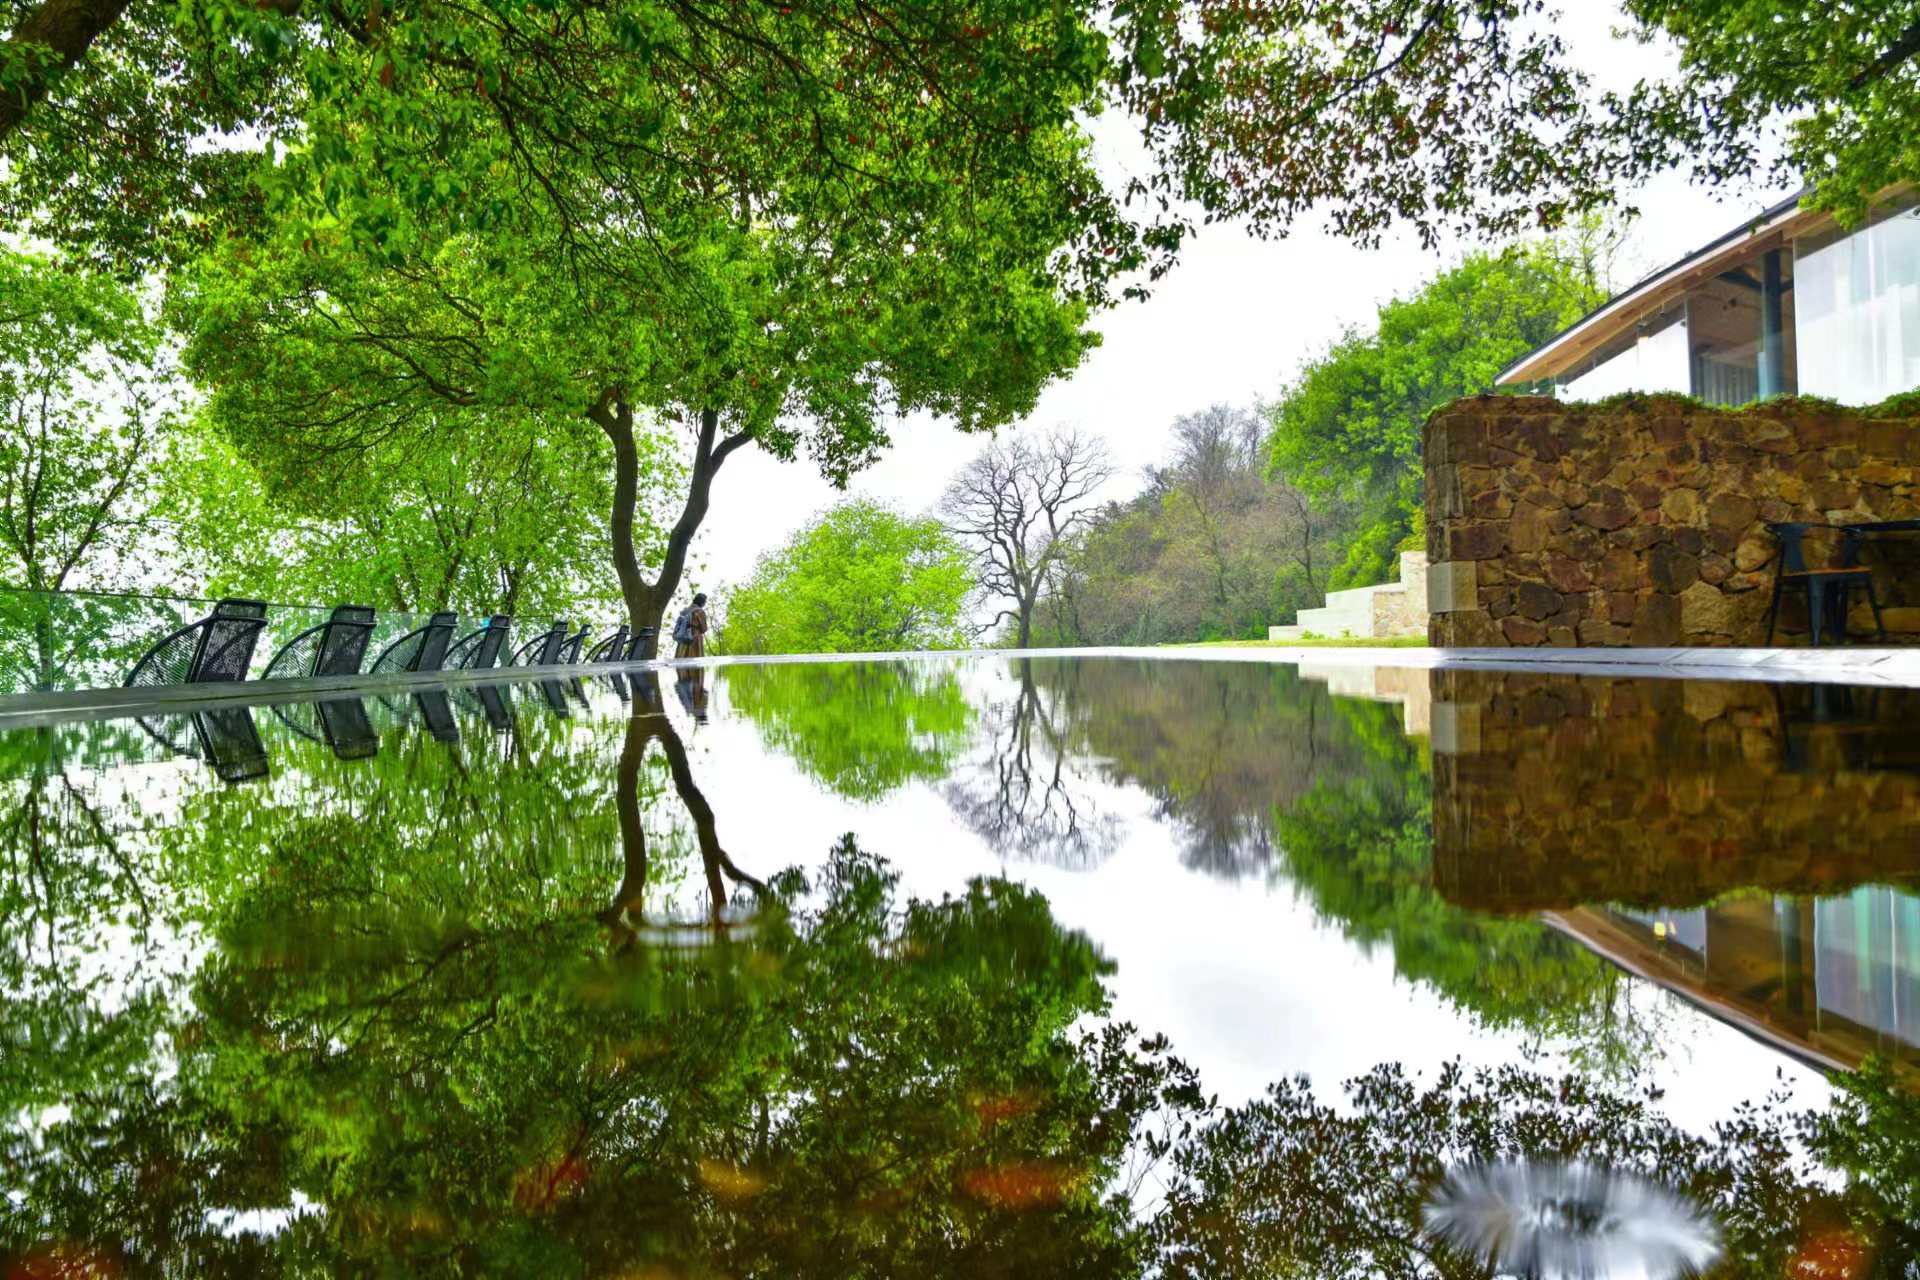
[{"x": 1017, "y": 504}]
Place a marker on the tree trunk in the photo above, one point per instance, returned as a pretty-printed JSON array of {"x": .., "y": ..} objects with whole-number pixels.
[
  {"x": 647, "y": 601},
  {"x": 66, "y": 29},
  {"x": 631, "y": 895},
  {"x": 617, "y": 421}
]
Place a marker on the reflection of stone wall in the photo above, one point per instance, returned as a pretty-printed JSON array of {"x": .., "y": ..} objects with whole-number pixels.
[
  {"x": 1552, "y": 791},
  {"x": 1641, "y": 523}
]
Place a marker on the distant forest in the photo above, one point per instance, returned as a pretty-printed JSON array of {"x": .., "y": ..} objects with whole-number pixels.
[{"x": 1260, "y": 510}]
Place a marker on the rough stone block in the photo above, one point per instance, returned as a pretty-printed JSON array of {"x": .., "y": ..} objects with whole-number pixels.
[
  {"x": 1523, "y": 632},
  {"x": 1452, "y": 586},
  {"x": 1537, "y": 601},
  {"x": 1476, "y": 541},
  {"x": 1656, "y": 621},
  {"x": 1886, "y": 439}
]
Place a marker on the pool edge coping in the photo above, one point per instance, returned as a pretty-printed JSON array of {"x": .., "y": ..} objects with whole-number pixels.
[{"x": 1899, "y": 668}]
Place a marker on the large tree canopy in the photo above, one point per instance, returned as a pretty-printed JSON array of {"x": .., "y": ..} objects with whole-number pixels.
[
  {"x": 1441, "y": 114},
  {"x": 788, "y": 333}
]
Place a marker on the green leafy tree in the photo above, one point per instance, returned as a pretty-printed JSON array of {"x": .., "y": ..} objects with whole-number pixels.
[
  {"x": 87, "y": 399},
  {"x": 861, "y": 578},
  {"x": 315, "y": 359},
  {"x": 1784, "y": 90},
  {"x": 1447, "y": 115},
  {"x": 482, "y": 519},
  {"x": 1348, "y": 426},
  {"x": 87, "y": 421}
]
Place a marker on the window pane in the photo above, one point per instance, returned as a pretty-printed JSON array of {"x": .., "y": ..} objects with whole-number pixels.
[{"x": 1857, "y": 308}]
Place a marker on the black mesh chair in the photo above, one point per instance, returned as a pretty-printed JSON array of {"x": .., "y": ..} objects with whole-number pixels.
[
  {"x": 612, "y": 649},
  {"x": 480, "y": 650},
  {"x": 1828, "y": 591},
  {"x": 217, "y": 648},
  {"x": 570, "y": 647},
  {"x": 336, "y": 647},
  {"x": 544, "y": 649},
  {"x": 422, "y": 649}
]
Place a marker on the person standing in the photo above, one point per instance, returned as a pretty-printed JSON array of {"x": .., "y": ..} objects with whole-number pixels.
[{"x": 690, "y": 629}]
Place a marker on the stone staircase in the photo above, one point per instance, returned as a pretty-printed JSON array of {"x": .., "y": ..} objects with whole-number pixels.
[{"x": 1368, "y": 613}]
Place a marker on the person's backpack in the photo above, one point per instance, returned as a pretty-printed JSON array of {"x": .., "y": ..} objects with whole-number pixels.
[{"x": 683, "y": 627}]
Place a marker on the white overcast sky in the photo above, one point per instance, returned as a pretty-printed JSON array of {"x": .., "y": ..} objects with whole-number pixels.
[{"x": 1235, "y": 318}]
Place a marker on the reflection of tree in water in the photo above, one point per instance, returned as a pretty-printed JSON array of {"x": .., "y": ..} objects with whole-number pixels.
[
  {"x": 1358, "y": 847},
  {"x": 1264, "y": 772},
  {"x": 1026, "y": 790},
  {"x": 416, "y": 1012},
  {"x": 1295, "y": 1185},
  {"x": 862, "y": 729},
  {"x": 1216, "y": 745}
]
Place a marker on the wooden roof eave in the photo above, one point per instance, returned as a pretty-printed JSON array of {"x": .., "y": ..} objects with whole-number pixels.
[{"x": 1654, "y": 295}]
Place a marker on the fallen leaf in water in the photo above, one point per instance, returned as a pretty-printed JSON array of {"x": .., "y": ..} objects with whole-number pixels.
[{"x": 1030, "y": 1185}]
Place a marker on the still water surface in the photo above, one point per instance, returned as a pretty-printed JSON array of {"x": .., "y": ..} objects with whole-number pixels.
[{"x": 1103, "y": 967}]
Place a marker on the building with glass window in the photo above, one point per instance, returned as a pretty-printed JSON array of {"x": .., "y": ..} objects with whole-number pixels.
[{"x": 1792, "y": 303}]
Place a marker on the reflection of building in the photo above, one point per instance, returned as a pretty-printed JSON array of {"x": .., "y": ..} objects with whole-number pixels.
[
  {"x": 1407, "y": 686},
  {"x": 1830, "y": 979},
  {"x": 1553, "y": 791},
  {"x": 1790, "y": 303}
]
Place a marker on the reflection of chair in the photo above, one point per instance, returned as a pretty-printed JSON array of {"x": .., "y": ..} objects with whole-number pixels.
[
  {"x": 341, "y": 723},
  {"x": 422, "y": 649},
  {"x": 231, "y": 743},
  {"x": 1827, "y": 727},
  {"x": 612, "y": 649},
  {"x": 226, "y": 740},
  {"x": 544, "y": 649},
  {"x": 499, "y": 714},
  {"x": 438, "y": 715},
  {"x": 556, "y": 695},
  {"x": 334, "y": 648},
  {"x": 487, "y": 700},
  {"x": 219, "y": 647},
  {"x": 479, "y": 650},
  {"x": 1827, "y": 590}
]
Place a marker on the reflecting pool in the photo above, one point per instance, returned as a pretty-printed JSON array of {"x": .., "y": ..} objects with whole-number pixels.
[{"x": 970, "y": 967}]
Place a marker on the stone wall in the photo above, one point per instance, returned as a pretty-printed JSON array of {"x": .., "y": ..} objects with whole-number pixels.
[
  {"x": 1641, "y": 521},
  {"x": 1554, "y": 791}
]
